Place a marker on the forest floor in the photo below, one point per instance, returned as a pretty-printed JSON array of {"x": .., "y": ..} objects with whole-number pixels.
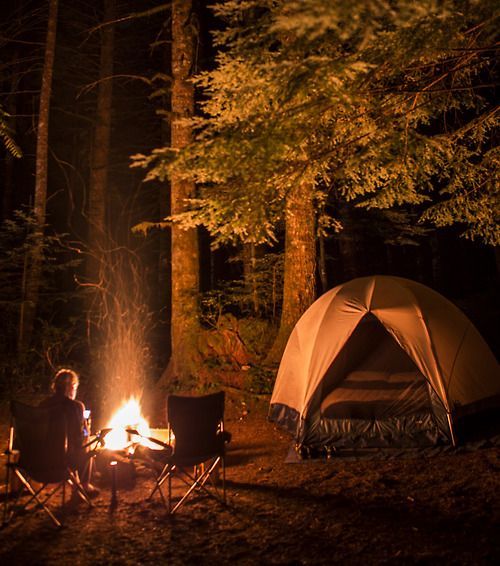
[{"x": 434, "y": 509}]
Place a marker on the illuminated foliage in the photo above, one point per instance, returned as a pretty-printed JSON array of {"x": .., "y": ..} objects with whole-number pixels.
[{"x": 383, "y": 103}]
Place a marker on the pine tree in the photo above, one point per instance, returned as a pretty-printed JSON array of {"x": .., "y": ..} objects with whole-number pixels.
[
  {"x": 184, "y": 242},
  {"x": 383, "y": 104}
]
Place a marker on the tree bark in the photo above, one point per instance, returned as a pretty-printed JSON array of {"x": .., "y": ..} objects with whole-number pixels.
[
  {"x": 8, "y": 184},
  {"x": 347, "y": 245},
  {"x": 249, "y": 254},
  {"x": 35, "y": 259},
  {"x": 98, "y": 182},
  {"x": 185, "y": 251},
  {"x": 8, "y": 181},
  {"x": 299, "y": 287},
  {"x": 436, "y": 260},
  {"x": 323, "y": 276},
  {"x": 164, "y": 290}
]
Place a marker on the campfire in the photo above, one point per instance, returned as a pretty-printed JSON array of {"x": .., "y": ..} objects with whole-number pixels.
[
  {"x": 127, "y": 439},
  {"x": 128, "y": 428}
]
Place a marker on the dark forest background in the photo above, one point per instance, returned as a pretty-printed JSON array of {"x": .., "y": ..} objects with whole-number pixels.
[{"x": 235, "y": 334}]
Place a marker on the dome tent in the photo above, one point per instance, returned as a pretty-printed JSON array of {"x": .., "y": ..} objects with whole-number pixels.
[{"x": 382, "y": 361}]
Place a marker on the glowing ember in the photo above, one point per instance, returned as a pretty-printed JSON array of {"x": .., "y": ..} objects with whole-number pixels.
[{"x": 128, "y": 417}]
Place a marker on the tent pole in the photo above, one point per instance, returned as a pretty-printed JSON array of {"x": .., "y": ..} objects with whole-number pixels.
[{"x": 452, "y": 433}]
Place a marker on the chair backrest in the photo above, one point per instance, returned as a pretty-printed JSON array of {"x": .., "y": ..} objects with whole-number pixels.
[
  {"x": 40, "y": 435},
  {"x": 197, "y": 424}
]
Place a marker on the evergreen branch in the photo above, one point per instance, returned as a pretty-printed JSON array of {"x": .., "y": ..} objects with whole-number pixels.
[
  {"x": 440, "y": 62},
  {"x": 482, "y": 49},
  {"x": 481, "y": 25},
  {"x": 447, "y": 89},
  {"x": 475, "y": 122}
]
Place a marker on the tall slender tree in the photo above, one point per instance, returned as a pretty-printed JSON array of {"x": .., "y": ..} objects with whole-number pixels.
[
  {"x": 184, "y": 242},
  {"x": 98, "y": 182},
  {"x": 35, "y": 259},
  {"x": 7, "y": 129}
]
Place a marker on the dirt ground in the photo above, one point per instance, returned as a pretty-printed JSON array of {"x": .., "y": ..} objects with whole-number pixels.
[{"x": 433, "y": 509}]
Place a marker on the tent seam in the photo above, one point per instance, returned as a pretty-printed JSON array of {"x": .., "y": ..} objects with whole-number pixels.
[
  {"x": 466, "y": 331},
  {"x": 420, "y": 315}
]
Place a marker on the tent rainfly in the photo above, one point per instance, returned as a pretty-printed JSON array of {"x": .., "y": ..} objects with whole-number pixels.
[{"x": 382, "y": 361}]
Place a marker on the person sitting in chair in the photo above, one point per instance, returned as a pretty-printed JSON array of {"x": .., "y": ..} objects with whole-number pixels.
[{"x": 64, "y": 387}]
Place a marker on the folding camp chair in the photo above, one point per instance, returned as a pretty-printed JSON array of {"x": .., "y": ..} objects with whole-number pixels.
[
  {"x": 196, "y": 431},
  {"x": 37, "y": 455}
]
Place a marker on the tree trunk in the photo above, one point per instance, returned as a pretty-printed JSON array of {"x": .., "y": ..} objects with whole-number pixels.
[
  {"x": 8, "y": 182},
  {"x": 347, "y": 245},
  {"x": 496, "y": 251},
  {"x": 34, "y": 267},
  {"x": 436, "y": 260},
  {"x": 164, "y": 290},
  {"x": 299, "y": 287},
  {"x": 323, "y": 277},
  {"x": 185, "y": 252},
  {"x": 249, "y": 273},
  {"x": 96, "y": 214}
]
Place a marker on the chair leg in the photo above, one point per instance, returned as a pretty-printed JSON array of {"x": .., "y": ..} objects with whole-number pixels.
[
  {"x": 159, "y": 480},
  {"x": 223, "y": 460},
  {"x": 46, "y": 496},
  {"x": 170, "y": 493},
  {"x": 184, "y": 497},
  {"x": 74, "y": 481},
  {"x": 165, "y": 474},
  {"x": 8, "y": 490},
  {"x": 198, "y": 482},
  {"x": 35, "y": 496},
  {"x": 8, "y": 474}
]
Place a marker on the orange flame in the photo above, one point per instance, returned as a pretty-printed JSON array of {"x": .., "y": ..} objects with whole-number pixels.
[{"x": 128, "y": 417}]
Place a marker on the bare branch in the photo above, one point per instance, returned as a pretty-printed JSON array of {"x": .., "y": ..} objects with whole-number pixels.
[
  {"x": 132, "y": 16},
  {"x": 90, "y": 86}
]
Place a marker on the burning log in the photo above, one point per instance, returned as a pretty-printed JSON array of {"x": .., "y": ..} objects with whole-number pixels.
[
  {"x": 126, "y": 438},
  {"x": 126, "y": 418}
]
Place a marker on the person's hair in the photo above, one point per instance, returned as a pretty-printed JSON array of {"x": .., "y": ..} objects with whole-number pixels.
[{"x": 63, "y": 379}]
